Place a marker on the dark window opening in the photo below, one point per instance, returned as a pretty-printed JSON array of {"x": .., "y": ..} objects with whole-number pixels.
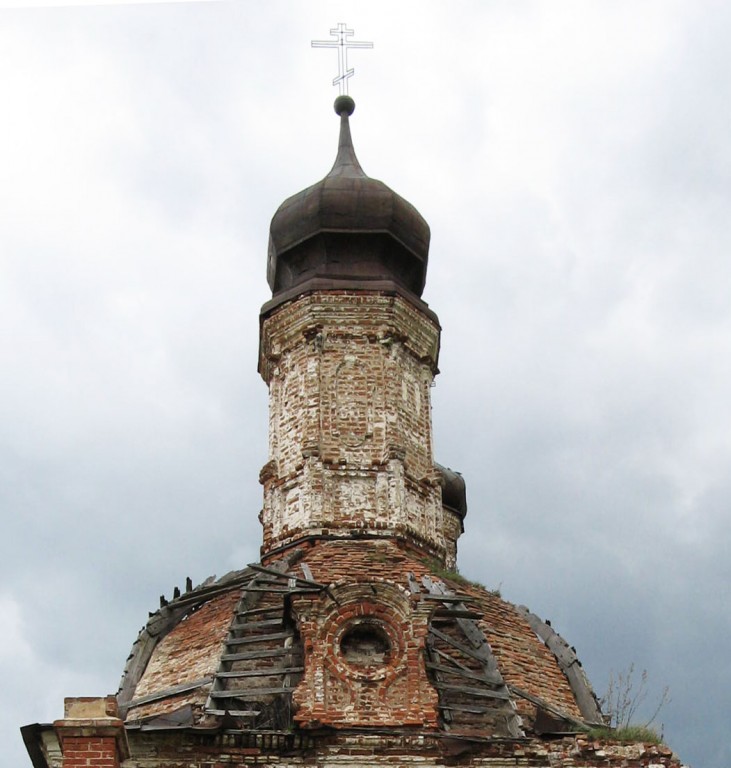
[{"x": 365, "y": 645}]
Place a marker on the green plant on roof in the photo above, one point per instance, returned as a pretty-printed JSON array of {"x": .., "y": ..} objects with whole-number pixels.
[
  {"x": 443, "y": 573},
  {"x": 624, "y": 699}
]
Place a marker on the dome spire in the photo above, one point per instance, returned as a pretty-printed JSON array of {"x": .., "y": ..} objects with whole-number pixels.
[
  {"x": 346, "y": 163},
  {"x": 347, "y": 231}
]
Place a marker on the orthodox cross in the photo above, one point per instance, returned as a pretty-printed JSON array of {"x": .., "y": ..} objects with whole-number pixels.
[{"x": 341, "y": 42}]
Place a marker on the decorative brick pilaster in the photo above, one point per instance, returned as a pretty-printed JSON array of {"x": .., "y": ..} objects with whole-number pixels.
[{"x": 91, "y": 733}]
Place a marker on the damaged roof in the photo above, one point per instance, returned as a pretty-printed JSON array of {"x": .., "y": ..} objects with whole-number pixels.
[{"x": 245, "y": 650}]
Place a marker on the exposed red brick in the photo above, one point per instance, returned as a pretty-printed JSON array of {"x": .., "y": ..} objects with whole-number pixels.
[{"x": 190, "y": 651}]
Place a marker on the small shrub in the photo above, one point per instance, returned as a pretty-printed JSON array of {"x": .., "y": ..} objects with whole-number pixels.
[{"x": 624, "y": 698}]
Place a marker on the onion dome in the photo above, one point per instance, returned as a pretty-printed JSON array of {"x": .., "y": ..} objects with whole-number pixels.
[
  {"x": 454, "y": 491},
  {"x": 347, "y": 231}
]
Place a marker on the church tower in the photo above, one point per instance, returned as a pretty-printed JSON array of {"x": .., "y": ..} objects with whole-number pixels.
[
  {"x": 349, "y": 352},
  {"x": 353, "y": 641}
]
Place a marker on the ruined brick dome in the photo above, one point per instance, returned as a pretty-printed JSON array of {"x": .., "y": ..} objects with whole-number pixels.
[
  {"x": 342, "y": 635},
  {"x": 386, "y": 239}
]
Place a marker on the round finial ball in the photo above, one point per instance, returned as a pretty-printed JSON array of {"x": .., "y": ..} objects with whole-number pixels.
[{"x": 344, "y": 104}]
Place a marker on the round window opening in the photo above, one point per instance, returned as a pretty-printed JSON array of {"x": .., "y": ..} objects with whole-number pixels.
[{"x": 365, "y": 645}]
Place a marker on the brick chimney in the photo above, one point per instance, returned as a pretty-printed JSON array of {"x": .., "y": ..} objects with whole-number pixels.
[{"x": 91, "y": 733}]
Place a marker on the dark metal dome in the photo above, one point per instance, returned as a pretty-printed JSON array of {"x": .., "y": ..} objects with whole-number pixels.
[
  {"x": 347, "y": 230},
  {"x": 454, "y": 491}
]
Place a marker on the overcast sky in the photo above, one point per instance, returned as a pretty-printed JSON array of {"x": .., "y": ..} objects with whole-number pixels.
[{"x": 573, "y": 160}]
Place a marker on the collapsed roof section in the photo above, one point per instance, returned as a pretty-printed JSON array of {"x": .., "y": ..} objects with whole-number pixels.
[{"x": 292, "y": 644}]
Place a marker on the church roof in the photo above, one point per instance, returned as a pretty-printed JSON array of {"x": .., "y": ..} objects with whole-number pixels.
[{"x": 238, "y": 648}]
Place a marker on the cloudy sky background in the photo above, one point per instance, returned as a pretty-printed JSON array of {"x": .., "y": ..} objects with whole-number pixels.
[{"x": 573, "y": 161}]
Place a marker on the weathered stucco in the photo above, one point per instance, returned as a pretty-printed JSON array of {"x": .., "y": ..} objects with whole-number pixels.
[{"x": 350, "y": 434}]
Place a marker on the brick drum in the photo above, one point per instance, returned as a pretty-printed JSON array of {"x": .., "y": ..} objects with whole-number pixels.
[{"x": 350, "y": 436}]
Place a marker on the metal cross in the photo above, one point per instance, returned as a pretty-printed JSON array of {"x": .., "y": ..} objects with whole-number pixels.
[{"x": 341, "y": 33}]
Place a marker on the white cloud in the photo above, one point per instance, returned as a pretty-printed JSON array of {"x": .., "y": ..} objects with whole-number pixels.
[
  {"x": 90, "y": 3},
  {"x": 572, "y": 160}
]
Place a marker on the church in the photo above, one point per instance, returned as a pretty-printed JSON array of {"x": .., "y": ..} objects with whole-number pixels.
[{"x": 353, "y": 641}]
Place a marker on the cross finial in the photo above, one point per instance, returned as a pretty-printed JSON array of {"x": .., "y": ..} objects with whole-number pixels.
[{"x": 341, "y": 34}]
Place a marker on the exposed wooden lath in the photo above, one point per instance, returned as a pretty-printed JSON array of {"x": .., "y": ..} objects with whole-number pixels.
[
  {"x": 262, "y": 660},
  {"x": 570, "y": 665},
  {"x": 473, "y": 697}
]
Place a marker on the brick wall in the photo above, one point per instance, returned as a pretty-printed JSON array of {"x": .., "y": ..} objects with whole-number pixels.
[
  {"x": 350, "y": 434},
  {"x": 373, "y": 689},
  {"x": 90, "y": 752},
  {"x": 171, "y": 750}
]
